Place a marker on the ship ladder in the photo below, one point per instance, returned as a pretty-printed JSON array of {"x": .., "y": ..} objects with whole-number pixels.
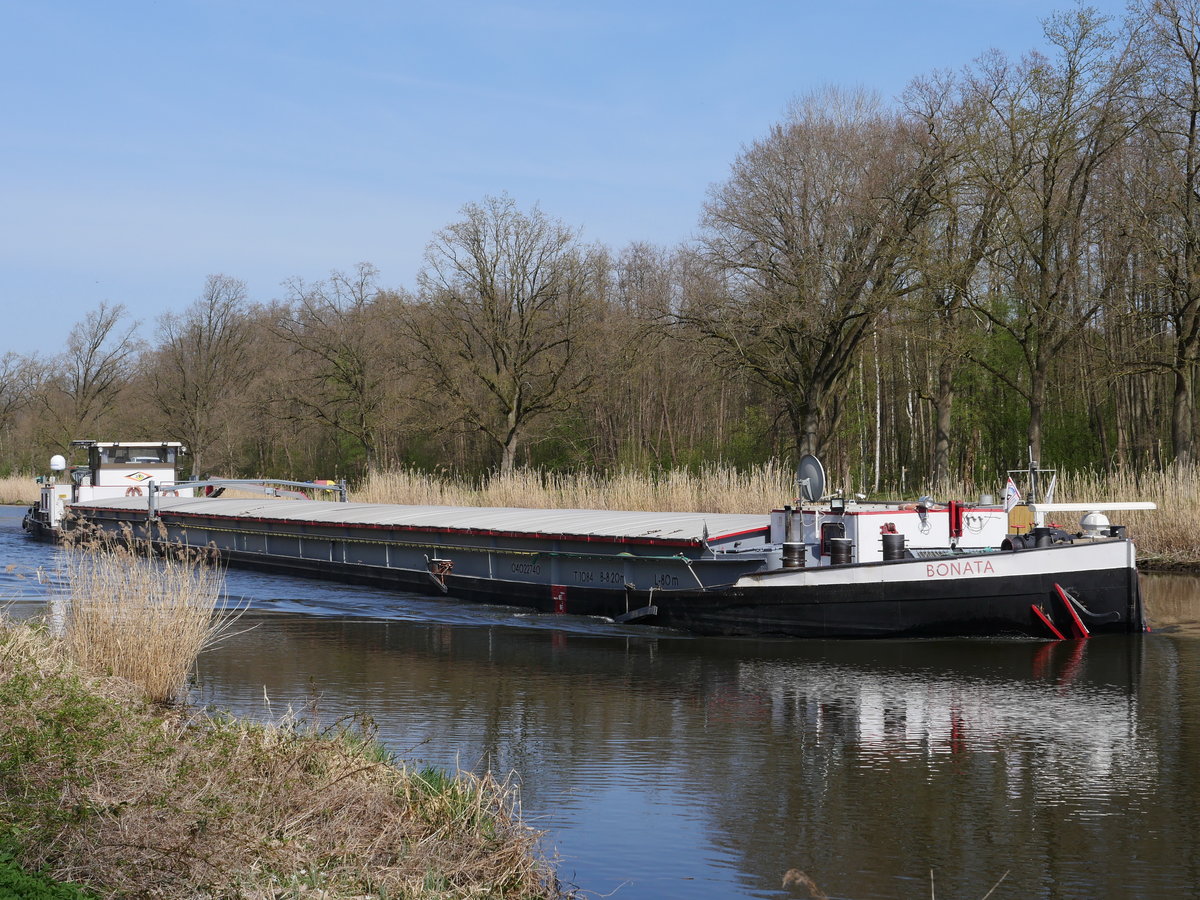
[{"x": 438, "y": 570}]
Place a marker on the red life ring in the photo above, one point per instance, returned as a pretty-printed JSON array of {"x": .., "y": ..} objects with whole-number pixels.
[
  {"x": 170, "y": 493},
  {"x": 133, "y": 492}
]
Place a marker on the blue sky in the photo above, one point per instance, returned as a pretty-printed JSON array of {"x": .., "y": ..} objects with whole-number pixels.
[{"x": 146, "y": 145}]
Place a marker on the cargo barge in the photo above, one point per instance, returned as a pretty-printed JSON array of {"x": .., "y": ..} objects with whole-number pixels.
[{"x": 827, "y": 567}]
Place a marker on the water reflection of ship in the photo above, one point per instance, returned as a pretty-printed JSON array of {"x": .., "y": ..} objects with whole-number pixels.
[
  {"x": 1088, "y": 785},
  {"x": 1088, "y": 731}
]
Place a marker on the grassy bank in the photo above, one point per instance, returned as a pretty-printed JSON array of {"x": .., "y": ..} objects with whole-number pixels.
[
  {"x": 1166, "y": 537},
  {"x": 106, "y": 788}
]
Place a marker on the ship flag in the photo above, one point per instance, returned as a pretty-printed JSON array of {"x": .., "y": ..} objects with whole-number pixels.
[{"x": 1012, "y": 496}]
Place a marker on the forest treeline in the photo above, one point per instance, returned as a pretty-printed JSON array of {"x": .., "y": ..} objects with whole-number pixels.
[{"x": 1004, "y": 260}]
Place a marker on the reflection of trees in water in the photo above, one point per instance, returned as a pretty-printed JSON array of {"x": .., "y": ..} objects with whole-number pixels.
[
  {"x": 858, "y": 763},
  {"x": 1172, "y": 601},
  {"x": 498, "y": 697}
]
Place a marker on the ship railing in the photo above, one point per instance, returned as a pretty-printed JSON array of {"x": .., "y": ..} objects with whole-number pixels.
[{"x": 271, "y": 487}]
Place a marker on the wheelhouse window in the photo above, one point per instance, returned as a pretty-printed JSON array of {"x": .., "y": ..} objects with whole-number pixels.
[{"x": 137, "y": 456}]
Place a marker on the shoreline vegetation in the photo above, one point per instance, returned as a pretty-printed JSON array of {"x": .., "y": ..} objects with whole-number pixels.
[
  {"x": 110, "y": 785},
  {"x": 1166, "y": 538}
]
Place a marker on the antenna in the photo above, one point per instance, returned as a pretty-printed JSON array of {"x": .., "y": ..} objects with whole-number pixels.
[
  {"x": 1034, "y": 487},
  {"x": 810, "y": 478}
]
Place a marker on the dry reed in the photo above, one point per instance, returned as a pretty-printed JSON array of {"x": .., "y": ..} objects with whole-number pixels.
[
  {"x": 19, "y": 490},
  {"x": 1166, "y": 537},
  {"x": 131, "y": 799},
  {"x": 140, "y": 616},
  {"x": 711, "y": 489}
]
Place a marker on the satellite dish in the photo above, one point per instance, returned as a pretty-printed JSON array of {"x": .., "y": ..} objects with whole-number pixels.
[
  {"x": 810, "y": 478},
  {"x": 57, "y": 463}
]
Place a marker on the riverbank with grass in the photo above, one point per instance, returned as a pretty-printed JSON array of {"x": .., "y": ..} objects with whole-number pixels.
[{"x": 104, "y": 785}]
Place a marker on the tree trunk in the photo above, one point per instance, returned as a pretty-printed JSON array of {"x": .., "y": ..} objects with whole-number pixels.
[
  {"x": 878, "y": 417},
  {"x": 508, "y": 456},
  {"x": 943, "y": 405},
  {"x": 1037, "y": 400},
  {"x": 808, "y": 440},
  {"x": 1182, "y": 437}
]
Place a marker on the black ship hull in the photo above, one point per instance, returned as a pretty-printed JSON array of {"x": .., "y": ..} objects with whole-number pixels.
[{"x": 1063, "y": 590}]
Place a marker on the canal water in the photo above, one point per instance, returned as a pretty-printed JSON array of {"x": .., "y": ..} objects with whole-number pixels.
[{"x": 661, "y": 765}]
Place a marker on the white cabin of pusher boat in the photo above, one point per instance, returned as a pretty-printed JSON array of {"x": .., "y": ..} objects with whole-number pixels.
[
  {"x": 858, "y": 528},
  {"x": 113, "y": 469}
]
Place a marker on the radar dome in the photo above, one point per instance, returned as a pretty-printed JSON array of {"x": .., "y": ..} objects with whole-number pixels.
[
  {"x": 1094, "y": 523},
  {"x": 58, "y": 462}
]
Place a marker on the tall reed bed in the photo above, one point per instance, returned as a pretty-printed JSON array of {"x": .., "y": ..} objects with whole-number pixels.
[
  {"x": 1165, "y": 537},
  {"x": 142, "y": 616},
  {"x": 711, "y": 489},
  {"x": 19, "y": 489}
]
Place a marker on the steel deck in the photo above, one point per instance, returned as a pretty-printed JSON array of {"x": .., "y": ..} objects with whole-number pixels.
[{"x": 578, "y": 523}]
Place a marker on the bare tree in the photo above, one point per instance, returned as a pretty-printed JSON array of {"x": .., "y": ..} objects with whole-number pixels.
[
  {"x": 342, "y": 332},
  {"x": 1167, "y": 198},
  {"x": 79, "y": 388},
  {"x": 809, "y": 236},
  {"x": 13, "y": 383},
  {"x": 506, "y": 299},
  {"x": 1053, "y": 126},
  {"x": 202, "y": 365},
  {"x": 14, "y": 393},
  {"x": 949, "y": 250}
]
